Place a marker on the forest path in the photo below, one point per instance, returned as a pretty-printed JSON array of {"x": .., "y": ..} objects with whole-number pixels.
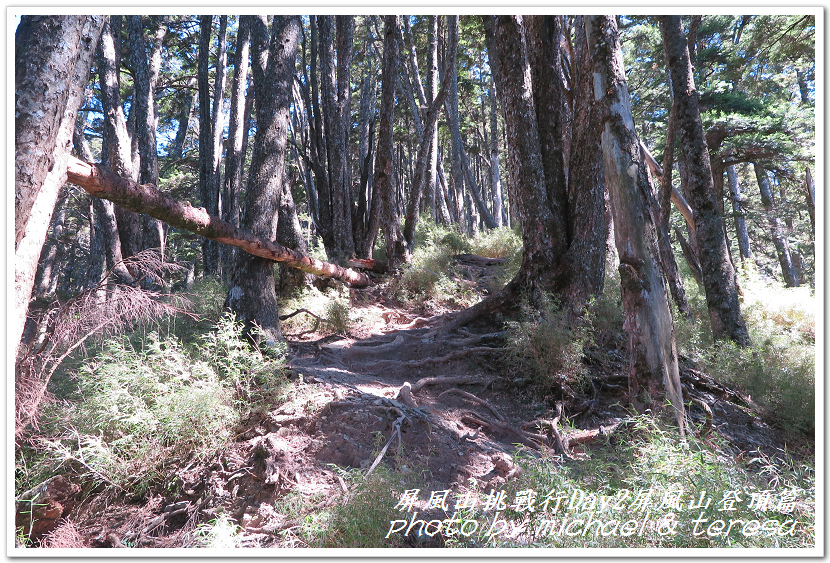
[{"x": 434, "y": 408}]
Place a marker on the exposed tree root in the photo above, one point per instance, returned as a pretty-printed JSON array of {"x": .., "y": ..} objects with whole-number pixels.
[
  {"x": 421, "y": 383},
  {"x": 474, "y": 399},
  {"x": 396, "y": 364},
  {"x": 535, "y": 441}
]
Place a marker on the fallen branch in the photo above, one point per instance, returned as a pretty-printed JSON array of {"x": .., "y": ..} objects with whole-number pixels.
[
  {"x": 298, "y": 311},
  {"x": 146, "y": 198}
]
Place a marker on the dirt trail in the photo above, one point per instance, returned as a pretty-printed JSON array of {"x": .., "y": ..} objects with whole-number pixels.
[{"x": 400, "y": 395}]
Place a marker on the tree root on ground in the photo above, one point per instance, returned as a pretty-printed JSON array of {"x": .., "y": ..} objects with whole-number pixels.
[
  {"x": 475, "y": 399},
  {"x": 397, "y": 364}
]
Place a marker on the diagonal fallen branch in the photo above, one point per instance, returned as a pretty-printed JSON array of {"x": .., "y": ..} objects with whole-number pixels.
[{"x": 146, "y": 198}]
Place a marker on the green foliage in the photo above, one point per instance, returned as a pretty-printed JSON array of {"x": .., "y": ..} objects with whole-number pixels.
[
  {"x": 220, "y": 533},
  {"x": 778, "y": 370},
  {"x": 330, "y": 305},
  {"x": 136, "y": 411},
  {"x": 497, "y": 243},
  {"x": 641, "y": 458},
  {"x": 545, "y": 347}
]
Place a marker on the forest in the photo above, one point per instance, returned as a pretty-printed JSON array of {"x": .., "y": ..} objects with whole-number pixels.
[{"x": 416, "y": 281}]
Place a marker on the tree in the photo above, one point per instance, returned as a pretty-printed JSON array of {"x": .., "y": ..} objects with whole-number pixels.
[
  {"x": 384, "y": 208},
  {"x": 782, "y": 247},
  {"x": 648, "y": 321},
  {"x": 718, "y": 274},
  {"x": 252, "y": 293},
  {"x": 53, "y": 55}
]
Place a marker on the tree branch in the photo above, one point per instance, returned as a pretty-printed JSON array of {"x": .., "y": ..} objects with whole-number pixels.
[{"x": 147, "y": 199}]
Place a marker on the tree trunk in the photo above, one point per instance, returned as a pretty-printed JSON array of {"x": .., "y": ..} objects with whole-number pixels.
[
  {"x": 428, "y": 132},
  {"x": 96, "y": 262},
  {"x": 235, "y": 155},
  {"x": 145, "y": 131},
  {"x": 432, "y": 87},
  {"x": 116, "y": 135},
  {"x": 719, "y": 278},
  {"x": 185, "y": 115},
  {"x": 653, "y": 369},
  {"x": 206, "y": 170},
  {"x": 782, "y": 246},
  {"x": 53, "y": 55},
  {"x": 587, "y": 226},
  {"x": 741, "y": 232},
  {"x": 385, "y": 190},
  {"x": 810, "y": 189},
  {"x": 341, "y": 170}
]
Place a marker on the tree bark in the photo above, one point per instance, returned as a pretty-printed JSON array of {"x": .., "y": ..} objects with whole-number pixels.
[
  {"x": 385, "y": 189},
  {"x": 654, "y": 368},
  {"x": 719, "y": 278},
  {"x": 116, "y": 135},
  {"x": 741, "y": 232},
  {"x": 53, "y": 55},
  {"x": 144, "y": 106},
  {"x": 810, "y": 189},
  {"x": 206, "y": 170},
  {"x": 101, "y": 183},
  {"x": 782, "y": 246},
  {"x": 587, "y": 226},
  {"x": 235, "y": 156},
  {"x": 428, "y": 132}
]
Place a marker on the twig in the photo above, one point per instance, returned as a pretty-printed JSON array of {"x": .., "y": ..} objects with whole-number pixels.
[{"x": 396, "y": 432}]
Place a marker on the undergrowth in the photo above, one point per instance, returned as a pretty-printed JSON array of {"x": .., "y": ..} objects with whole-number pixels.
[
  {"x": 777, "y": 370},
  {"x": 137, "y": 410}
]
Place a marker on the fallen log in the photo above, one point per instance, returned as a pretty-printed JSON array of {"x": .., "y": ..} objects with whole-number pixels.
[{"x": 146, "y": 198}]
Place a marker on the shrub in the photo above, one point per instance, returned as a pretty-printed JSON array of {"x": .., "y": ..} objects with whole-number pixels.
[
  {"x": 546, "y": 347},
  {"x": 135, "y": 412}
]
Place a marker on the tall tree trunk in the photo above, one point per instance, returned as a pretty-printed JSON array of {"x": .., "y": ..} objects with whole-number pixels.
[
  {"x": 290, "y": 235},
  {"x": 235, "y": 155},
  {"x": 206, "y": 157},
  {"x": 252, "y": 294},
  {"x": 366, "y": 152},
  {"x": 462, "y": 173},
  {"x": 185, "y": 115},
  {"x": 654, "y": 368},
  {"x": 782, "y": 246},
  {"x": 145, "y": 130},
  {"x": 428, "y": 132},
  {"x": 116, "y": 135},
  {"x": 432, "y": 87},
  {"x": 587, "y": 226},
  {"x": 741, "y": 232},
  {"x": 96, "y": 259},
  {"x": 339, "y": 154},
  {"x": 719, "y": 278},
  {"x": 46, "y": 280},
  {"x": 385, "y": 188},
  {"x": 810, "y": 188},
  {"x": 53, "y": 55}
]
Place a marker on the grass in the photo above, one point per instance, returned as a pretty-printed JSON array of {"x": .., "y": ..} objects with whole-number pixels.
[
  {"x": 146, "y": 402},
  {"x": 778, "y": 370}
]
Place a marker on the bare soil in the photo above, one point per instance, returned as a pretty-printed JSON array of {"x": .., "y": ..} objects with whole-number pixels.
[{"x": 461, "y": 421}]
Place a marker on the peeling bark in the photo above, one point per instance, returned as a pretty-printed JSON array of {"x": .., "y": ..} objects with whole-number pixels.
[{"x": 654, "y": 368}]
